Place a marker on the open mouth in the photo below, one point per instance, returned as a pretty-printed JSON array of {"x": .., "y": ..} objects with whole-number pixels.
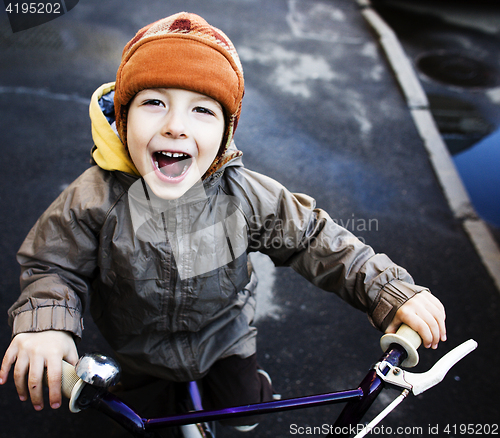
[{"x": 172, "y": 164}]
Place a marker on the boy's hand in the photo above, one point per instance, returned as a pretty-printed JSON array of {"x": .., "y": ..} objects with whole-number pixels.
[
  {"x": 31, "y": 353},
  {"x": 425, "y": 314}
]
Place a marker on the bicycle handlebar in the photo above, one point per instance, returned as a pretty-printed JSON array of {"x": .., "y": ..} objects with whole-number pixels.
[
  {"x": 387, "y": 371},
  {"x": 72, "y": 385}
]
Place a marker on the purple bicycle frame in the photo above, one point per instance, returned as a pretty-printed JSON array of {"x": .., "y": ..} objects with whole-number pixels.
[{"x": 358, "y": 401}]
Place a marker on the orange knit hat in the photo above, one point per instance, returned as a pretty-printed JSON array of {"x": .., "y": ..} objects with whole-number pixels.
[{"x": 182, "y": 51}]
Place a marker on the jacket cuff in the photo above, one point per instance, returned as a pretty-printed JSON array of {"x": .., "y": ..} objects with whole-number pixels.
[
  {"x": 390, "y": 298},
  {"x": 48, "y": 318}
]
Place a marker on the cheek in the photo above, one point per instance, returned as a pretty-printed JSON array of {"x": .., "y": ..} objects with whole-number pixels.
[
  {"x": 132, "y": 145},
  {"x": 212, "y": 146},
  {"x": 136, "y": 149},
  {"x": 217, "y": 136},
  {"x": 135, "y": 141}
]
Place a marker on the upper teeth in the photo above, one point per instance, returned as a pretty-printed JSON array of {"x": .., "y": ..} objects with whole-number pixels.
[{"x": 173, "y": 154}]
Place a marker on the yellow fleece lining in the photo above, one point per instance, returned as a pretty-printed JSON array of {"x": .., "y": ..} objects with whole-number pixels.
[{"x": 110, "y": 153}]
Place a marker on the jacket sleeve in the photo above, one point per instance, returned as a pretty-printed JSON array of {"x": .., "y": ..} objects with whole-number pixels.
[
  {"x": 58, "y": 261},
  {"x": 293, "y": 232}
]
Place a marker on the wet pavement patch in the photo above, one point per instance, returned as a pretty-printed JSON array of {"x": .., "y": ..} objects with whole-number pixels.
[
  {"x": 475, "y": 146},
  {"x": 457, "y": 69},
  {"x": 460, "y": 123},
  {"x": 457, "y": 62},
  {"x": 478, "y": 167}
]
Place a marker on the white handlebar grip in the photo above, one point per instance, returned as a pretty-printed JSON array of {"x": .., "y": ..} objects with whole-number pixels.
[
  {"x": 69, "y": 379},
  {"x": 71, "y": 385},
  {"x": 408, "y": 338}
]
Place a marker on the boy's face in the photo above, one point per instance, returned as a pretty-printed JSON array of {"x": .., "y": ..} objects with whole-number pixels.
[{"x": 173, "y": 137}]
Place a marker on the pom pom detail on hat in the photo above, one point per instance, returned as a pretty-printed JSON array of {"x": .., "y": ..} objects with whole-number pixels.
[{"x": 182, "y": 51}]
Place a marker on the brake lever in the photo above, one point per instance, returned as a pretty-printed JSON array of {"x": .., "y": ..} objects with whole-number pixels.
[{"x": 417, "y": 383}]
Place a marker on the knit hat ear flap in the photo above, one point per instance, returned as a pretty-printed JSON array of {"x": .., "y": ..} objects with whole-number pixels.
[
  {"x": 225, "y": 155},
  {"x": 182, "y": 51}
]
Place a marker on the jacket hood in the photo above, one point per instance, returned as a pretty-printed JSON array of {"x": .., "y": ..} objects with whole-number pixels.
[{"x": 111, "y": 154}]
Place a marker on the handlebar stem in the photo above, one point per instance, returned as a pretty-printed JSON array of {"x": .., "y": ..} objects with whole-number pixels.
[{"x": 371, "y": 386}]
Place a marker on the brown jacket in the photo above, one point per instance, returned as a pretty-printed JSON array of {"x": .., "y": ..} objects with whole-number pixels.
[{"x": 169, "y": 283}]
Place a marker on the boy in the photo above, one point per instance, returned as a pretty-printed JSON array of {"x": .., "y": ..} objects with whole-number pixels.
[{"x": 157, "y": 235}]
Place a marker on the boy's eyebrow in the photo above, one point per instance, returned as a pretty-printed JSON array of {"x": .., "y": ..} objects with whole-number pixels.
[
  {"x": 208, "y": 99},
  {"x": 148, "y": 90}
]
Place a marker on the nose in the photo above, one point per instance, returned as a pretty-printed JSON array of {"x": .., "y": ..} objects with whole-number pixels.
[{"x": 174, "y": 126}]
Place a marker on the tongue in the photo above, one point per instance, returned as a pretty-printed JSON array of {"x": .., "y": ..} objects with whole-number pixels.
[{"x": 170, "y": 166}]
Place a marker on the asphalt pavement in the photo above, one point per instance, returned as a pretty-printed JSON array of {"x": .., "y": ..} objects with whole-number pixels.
[{"x": 323, "y": 114}]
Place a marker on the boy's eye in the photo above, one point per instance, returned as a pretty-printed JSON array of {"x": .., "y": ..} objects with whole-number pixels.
[
  {"x": 203, "y": 110},
  {"x": 154, "y": 102}
]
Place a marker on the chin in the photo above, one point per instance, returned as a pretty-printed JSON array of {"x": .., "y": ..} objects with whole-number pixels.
[{"x": 169, "y": 191}]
